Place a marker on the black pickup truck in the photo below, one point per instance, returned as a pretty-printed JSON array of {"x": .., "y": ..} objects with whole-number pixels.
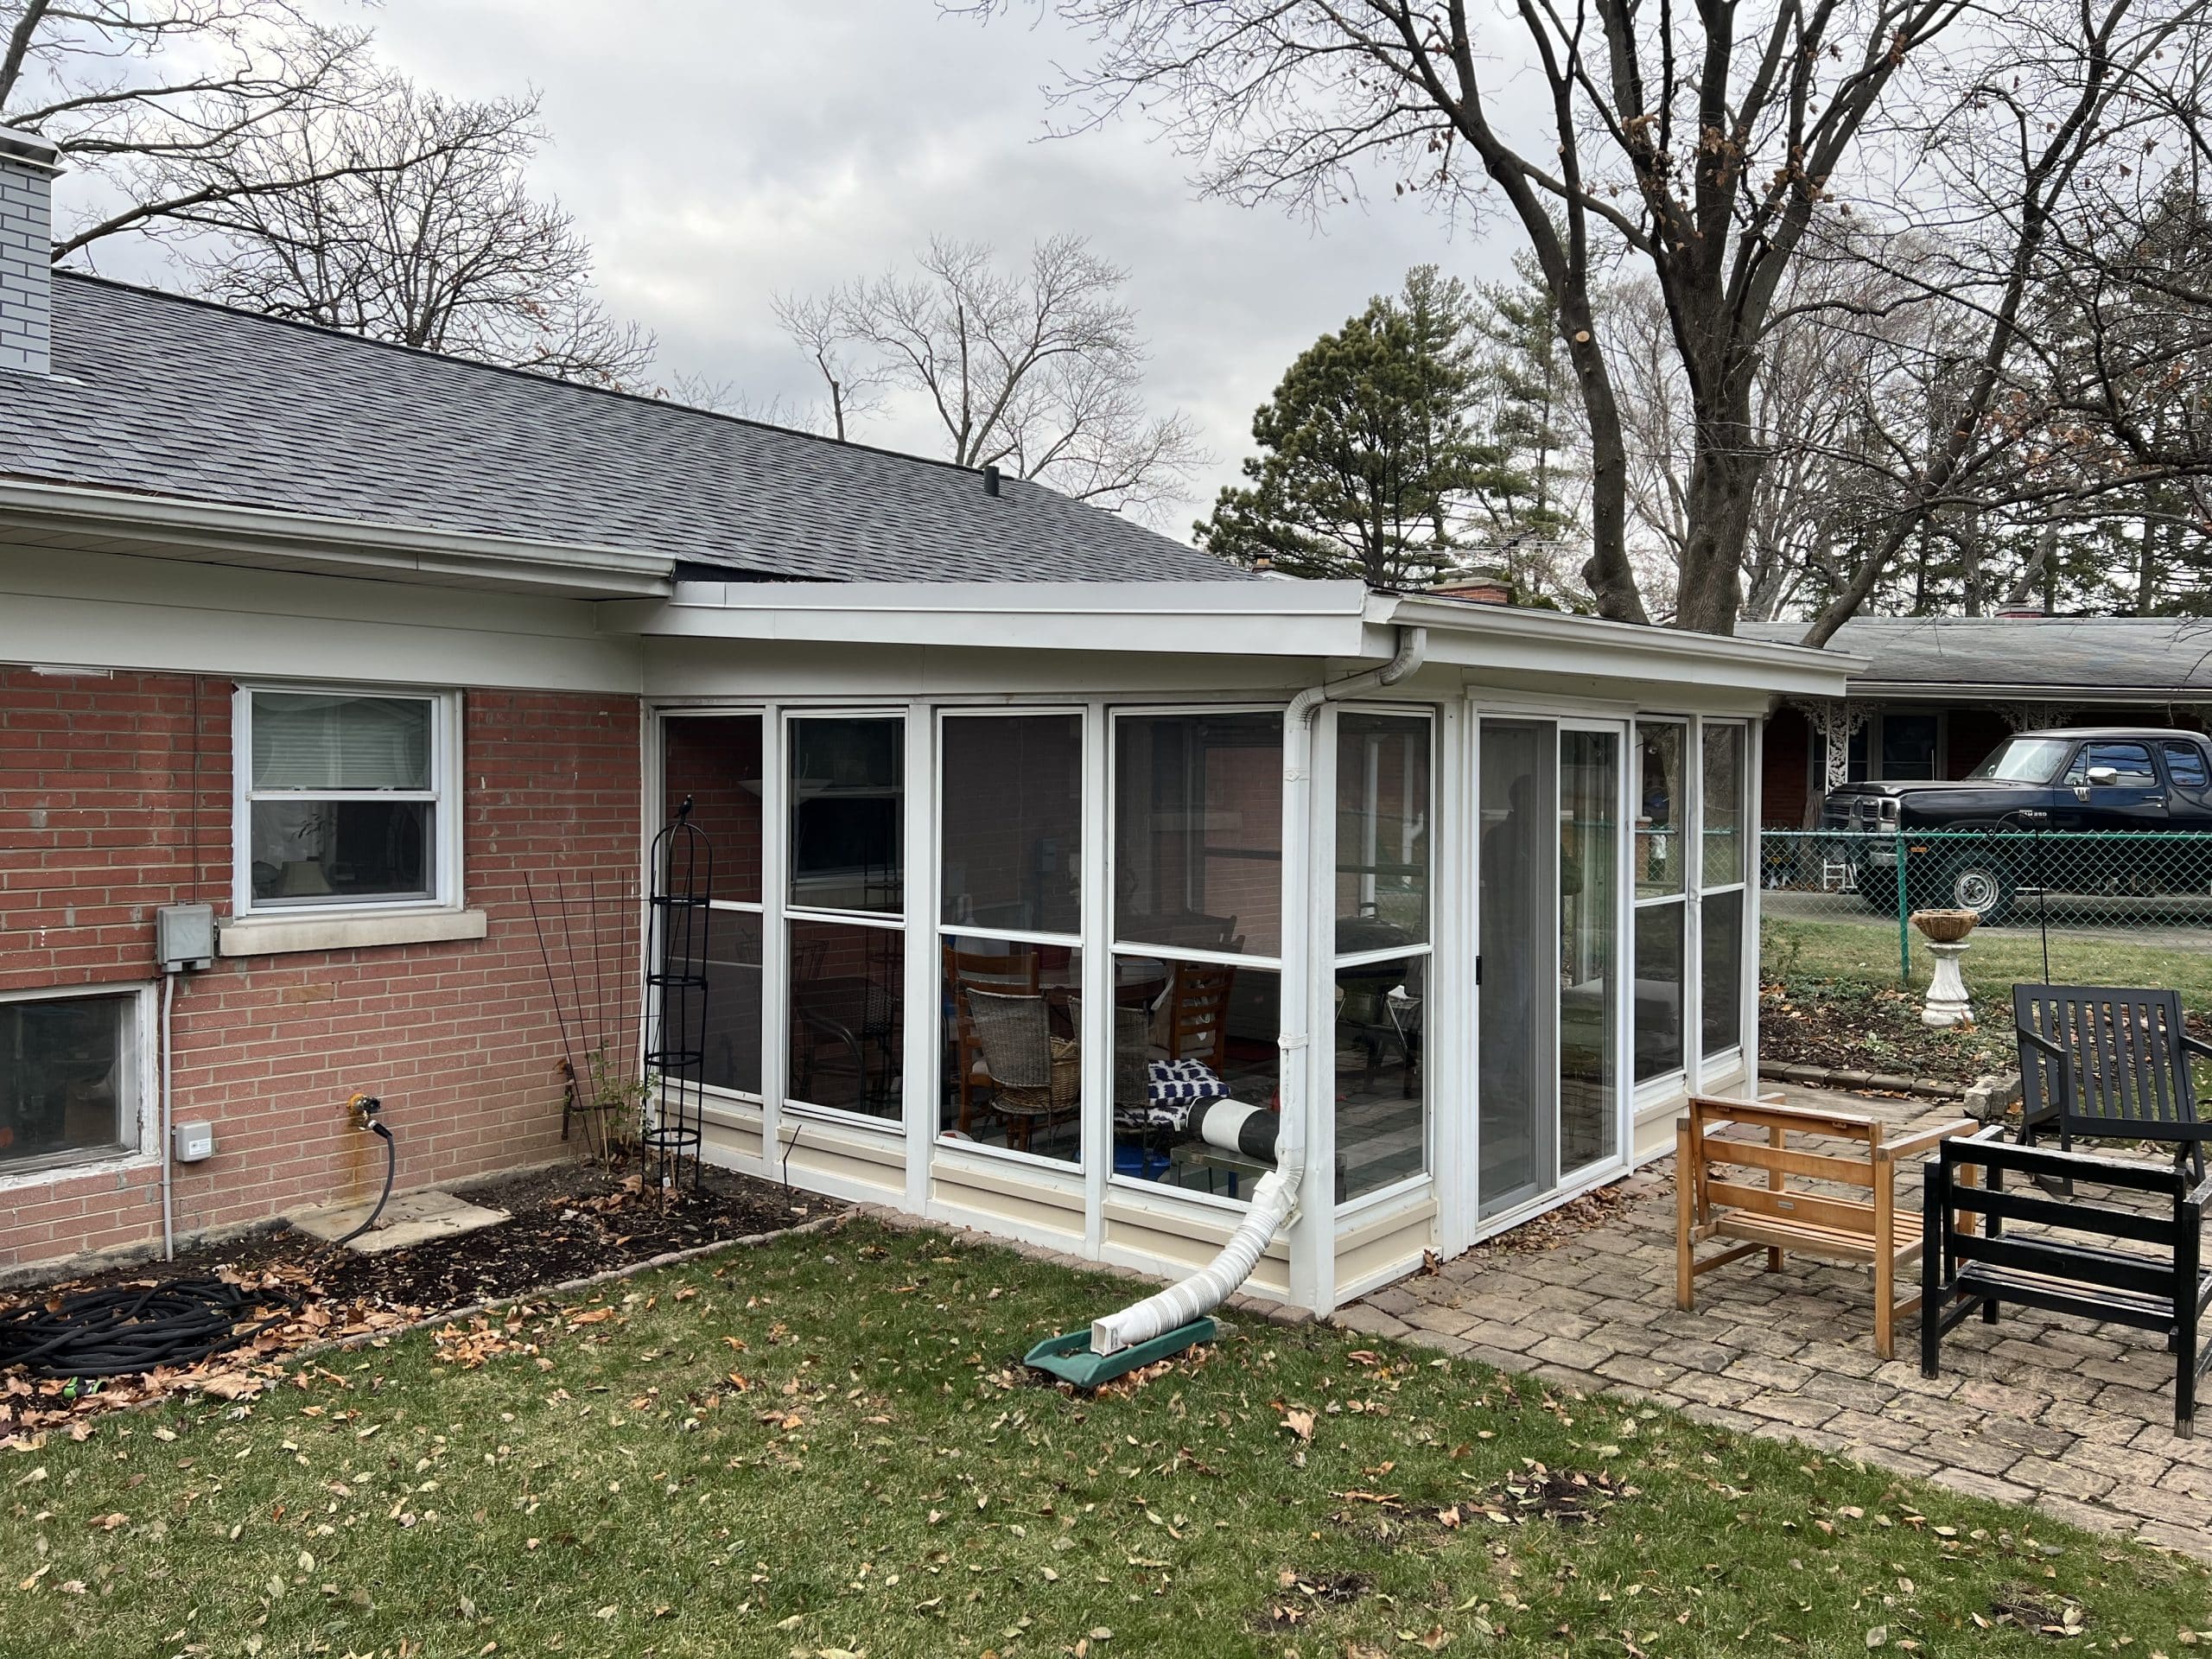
[{"x": 2063, "y": 783}]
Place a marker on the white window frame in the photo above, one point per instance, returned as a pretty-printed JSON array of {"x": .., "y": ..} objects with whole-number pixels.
[
  {"x": 789, "y": 914},
  {"x": 756, "y": 908},
  {"x": 444, "y": 795},
  {"x": 944, "y": 931},
  {"x": 1392, "y": 1192},
  {"x": 1116, "y": 947},
  {"x": 1720, "y": 1060},
  {"x": 1691, "y": 850},
  {"x": 141, "y": 1087}
]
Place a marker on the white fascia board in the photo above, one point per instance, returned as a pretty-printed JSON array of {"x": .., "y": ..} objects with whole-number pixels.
[
  {"x": 1508, "y": 639},
  {"x": 1212, "y": 619},
  {"x": 214, "y": 532}
]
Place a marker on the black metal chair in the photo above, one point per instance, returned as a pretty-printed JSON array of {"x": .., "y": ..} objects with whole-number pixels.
[
  {"x": 1962, "y": 1270},
  {"x": 2101, "y": 1062}
]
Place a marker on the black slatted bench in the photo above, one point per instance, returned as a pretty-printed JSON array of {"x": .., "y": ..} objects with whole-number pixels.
[{"x": 1964, "y": 1267}]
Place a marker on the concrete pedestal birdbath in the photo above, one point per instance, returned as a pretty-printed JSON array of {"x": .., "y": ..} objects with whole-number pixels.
[{"x": 1946, "y": 931}]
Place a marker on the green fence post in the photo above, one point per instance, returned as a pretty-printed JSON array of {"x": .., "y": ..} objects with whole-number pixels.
[{"x": 1904, "y": 922}]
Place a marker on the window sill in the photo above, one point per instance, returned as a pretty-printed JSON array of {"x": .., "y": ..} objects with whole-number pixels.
[{"x": 268, "y": 936}]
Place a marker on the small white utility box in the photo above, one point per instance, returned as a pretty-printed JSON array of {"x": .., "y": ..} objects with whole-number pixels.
[{"x": 191, "y": 1142}]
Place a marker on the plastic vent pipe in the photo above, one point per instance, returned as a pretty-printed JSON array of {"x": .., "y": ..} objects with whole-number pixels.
[{"x": 1275, "y": 1198}]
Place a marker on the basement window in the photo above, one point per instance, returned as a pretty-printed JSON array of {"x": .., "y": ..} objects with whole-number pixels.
[
  {"x": 347, "y": 799},
  {"x": 69, "y": 1078}
]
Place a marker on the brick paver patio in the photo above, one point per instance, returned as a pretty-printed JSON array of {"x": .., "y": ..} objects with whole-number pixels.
[{"x": 2073, "y": 1418}]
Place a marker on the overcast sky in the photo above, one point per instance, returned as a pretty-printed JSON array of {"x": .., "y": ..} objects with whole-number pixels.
[{"x": 718, "y": 153}]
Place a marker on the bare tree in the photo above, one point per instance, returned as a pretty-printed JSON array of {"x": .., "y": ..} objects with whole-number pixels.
[
  {"x": 407, "y": 219},
  {"x": 1037, "y": 371},
  {"x": 125, "y": 89},
  {"x": 1699, "y": 144},
  {"x": 853, "y": 385}
]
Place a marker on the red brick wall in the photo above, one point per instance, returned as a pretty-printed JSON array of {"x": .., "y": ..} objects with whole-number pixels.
[
  {"x": 1975, "y": 733},
  {"x": 1785, "y": 768},
  {"x": 98, "y": 829}
]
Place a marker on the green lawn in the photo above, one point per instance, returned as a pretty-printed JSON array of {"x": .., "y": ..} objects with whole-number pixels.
[
  {"x": 882, "y": 1482},
  {"x": 1808, "y": 955}
]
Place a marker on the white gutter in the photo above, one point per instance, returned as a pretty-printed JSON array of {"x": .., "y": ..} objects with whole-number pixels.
[
  {"x": 1275, "y": 1199},
  {"x": 266, "y": 538}
]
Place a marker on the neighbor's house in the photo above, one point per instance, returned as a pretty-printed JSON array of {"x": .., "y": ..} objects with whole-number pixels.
[
  {"x": 1935, "y": 695},
  {"x": 1008, "y": 798}
]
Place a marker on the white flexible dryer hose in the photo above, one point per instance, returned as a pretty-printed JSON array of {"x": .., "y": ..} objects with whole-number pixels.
[
  {"x": 1272, "y": 1201},
  {"x": 1275, "y": 1198}
]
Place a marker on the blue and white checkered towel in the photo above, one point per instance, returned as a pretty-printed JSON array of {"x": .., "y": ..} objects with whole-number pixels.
[{"x": 1182, "y": 1082}]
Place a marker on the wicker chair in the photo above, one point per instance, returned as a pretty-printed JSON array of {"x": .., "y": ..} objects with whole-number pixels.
[
  {"x": 1013, "y": 973},
  {"x": 1035, "y": 1076}
]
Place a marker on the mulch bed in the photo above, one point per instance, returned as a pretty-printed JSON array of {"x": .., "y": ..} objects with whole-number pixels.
[
  {"x": 1851, "y": 1026},
  {"x": 565, "y": 1222}
]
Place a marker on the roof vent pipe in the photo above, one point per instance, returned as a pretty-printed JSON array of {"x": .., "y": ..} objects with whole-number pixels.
[
  {"x": 991, "y": 481},
  {"x": 1276, "y": 1197}
]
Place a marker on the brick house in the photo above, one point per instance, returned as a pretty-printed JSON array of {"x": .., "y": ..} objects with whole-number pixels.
[
  {"x": 1067, "y": 884},
  {"x": 1938, "y": 693}
]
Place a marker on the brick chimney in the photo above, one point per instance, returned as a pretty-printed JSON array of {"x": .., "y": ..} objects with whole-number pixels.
[{"x": 27, "y": 166}]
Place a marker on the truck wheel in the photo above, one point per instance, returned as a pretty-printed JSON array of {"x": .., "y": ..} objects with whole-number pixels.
[{"x": 1980, "y": 884}]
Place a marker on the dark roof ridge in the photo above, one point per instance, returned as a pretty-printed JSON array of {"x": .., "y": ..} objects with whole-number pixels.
[{"x": 533, "y": 377}]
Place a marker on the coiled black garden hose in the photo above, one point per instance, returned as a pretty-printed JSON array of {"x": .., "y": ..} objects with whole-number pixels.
[{"x": 133, "y": 1328}]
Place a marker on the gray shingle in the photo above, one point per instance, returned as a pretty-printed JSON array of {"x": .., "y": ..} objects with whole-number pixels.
[
  {"x": 155, "y": 393},
  {"x": 2053, "y": 652}
]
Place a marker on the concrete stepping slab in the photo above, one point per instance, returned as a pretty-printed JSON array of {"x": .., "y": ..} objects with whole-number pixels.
[{"x": 410, "y": 1219}]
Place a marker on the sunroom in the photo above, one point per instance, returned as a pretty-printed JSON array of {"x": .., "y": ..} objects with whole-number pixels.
[{"x": 1065, "y": 910}]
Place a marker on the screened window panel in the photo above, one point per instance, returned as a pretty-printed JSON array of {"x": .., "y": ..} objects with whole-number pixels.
[
  {"x": 732, "y": 1033},
  {"x": 1382, "y": 871},
  {"x": 1381, "y": 1106},
  {"x": 1012, "y": 822},
  {"x": 1197, "y": 831},
  {"x": 1722, "y": 993},
  {"x": 324, "y": 741},
  {"x": 715, "y": 761},
  {"x": 1723, "y": 805},
  {"x": 1658, "y": 808},
  {"x": 847, "y": 813},
  {"x": 1658, "y": 990},
  {"x": 848, "y": 1032}
]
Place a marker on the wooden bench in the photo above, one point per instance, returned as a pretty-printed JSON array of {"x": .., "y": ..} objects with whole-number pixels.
[{"x": 1766, "y": 1211}]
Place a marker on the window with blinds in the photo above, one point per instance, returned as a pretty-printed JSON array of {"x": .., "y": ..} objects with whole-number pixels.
[{"x": 343, "y": 798}]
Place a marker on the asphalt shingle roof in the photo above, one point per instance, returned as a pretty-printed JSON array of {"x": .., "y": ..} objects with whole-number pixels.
[
  {"x": 157, "y": 394},
  {"x": 2059, "y": 652}
]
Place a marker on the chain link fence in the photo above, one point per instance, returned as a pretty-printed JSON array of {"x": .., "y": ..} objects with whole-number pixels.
[{"x": 2080, "y": 904}]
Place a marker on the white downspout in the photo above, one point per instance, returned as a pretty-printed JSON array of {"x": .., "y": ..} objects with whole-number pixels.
[{"x": 1274, "y": 1199}]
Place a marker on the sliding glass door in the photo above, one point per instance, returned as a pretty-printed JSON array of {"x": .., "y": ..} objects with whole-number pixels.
[{"x": 1548, "y": 992}]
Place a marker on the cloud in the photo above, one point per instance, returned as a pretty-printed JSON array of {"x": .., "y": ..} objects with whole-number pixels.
[{"x": 717, "y": 154}]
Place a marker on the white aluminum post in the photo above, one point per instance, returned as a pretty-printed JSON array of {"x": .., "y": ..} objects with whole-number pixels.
[
  {"x": 775, "y": 934},
  {"x": 1312, "y": 1236},
  {"x": 1097, "y": 975},
  {"x": 918, "y": 1059}
]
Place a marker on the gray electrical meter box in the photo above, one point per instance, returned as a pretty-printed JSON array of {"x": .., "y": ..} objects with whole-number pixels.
[{"x": 184, "y": 937}]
